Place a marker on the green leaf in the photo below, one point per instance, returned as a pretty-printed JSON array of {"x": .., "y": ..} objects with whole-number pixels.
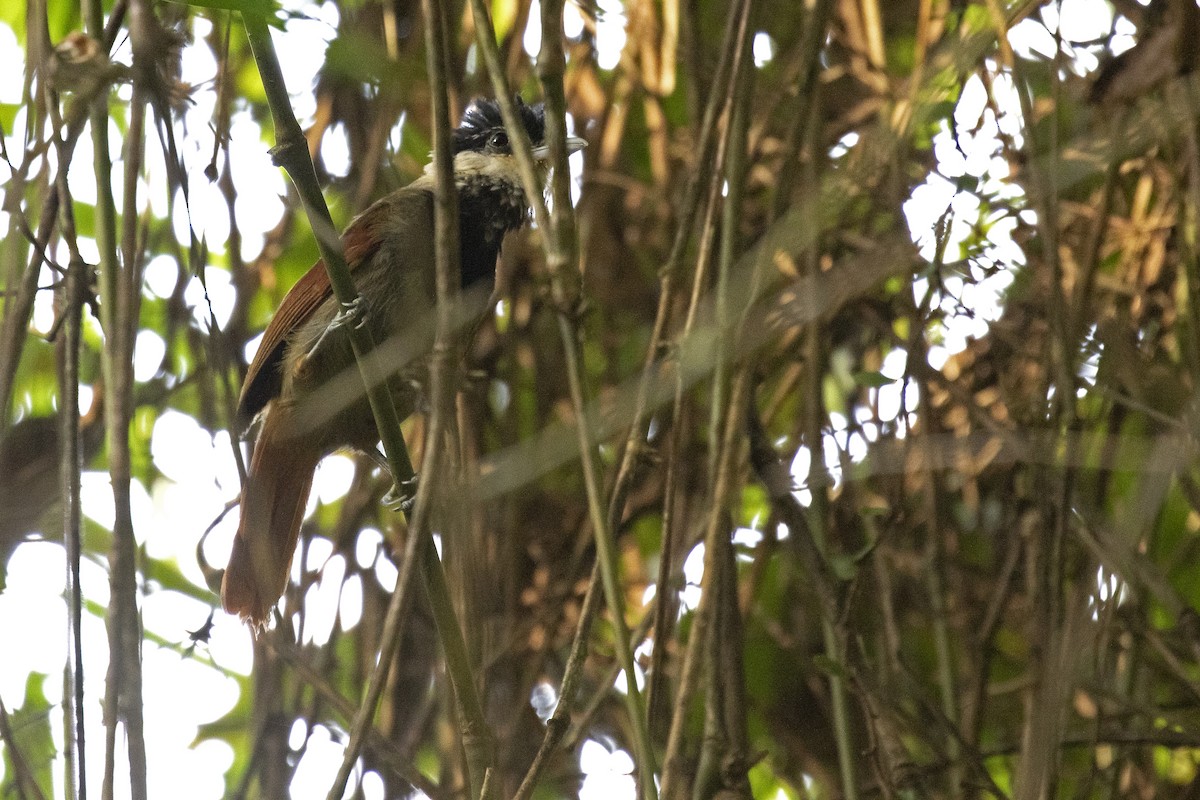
[
  {"x": 755, "y": 504},
  {"x": 357, "y": 58},
  {"x": 31, "y": 730},
  {"x": 504, "y": 15},
  {"x": 8, "y": 115},
  {"x": 872, "y": 379}
]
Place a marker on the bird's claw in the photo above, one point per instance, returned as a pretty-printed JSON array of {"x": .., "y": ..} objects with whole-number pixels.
[
  {"x": 353, "y": 314},
  {"x": 402, "y": 495}
]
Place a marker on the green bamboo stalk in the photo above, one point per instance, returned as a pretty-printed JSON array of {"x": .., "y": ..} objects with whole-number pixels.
[
  {"x": 291, "y": 152},
  {"x": 477, "y": 740}
]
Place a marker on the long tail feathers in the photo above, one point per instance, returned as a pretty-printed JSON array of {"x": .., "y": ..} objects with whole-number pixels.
[{"x": 273, "y": 501}]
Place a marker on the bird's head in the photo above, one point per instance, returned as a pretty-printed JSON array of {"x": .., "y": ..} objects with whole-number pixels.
[{"x": 481, "y": 145}]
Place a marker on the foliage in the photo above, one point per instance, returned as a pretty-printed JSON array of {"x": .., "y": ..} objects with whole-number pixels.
[{"x": 908, "y": 500}]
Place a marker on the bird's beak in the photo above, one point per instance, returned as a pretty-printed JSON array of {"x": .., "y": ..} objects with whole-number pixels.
[{"x": 574, "y": 145}]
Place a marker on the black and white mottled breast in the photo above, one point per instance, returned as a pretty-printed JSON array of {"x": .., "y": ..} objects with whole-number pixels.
[{"x": 491, "y": 203}]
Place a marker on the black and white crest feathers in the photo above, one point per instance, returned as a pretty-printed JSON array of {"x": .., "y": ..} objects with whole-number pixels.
[{"x": 482, "y": 126}]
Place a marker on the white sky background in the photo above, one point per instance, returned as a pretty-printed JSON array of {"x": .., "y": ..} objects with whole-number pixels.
[{"x": 198, "y": 473}]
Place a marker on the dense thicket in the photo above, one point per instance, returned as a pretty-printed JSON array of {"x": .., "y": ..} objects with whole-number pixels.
[{"x": 889, "y": 326}]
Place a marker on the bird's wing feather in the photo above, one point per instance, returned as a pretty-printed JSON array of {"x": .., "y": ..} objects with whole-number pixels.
[{"x": 264, "y": 377}]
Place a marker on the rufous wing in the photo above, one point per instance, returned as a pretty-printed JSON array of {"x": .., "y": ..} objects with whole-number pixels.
[{"x": 264, "y": 376}]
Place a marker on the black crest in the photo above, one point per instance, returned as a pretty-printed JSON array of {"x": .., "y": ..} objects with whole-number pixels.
[{"x": 482, "y": 126}]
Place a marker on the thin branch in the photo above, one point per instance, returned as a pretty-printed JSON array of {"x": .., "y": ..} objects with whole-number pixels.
[
  {"x": 121, "y": 296},
  {"x": 581, "y": 725},
  {"x": 475, "y": 737},
  {"x": 380, "y": 745},
  {"x": 724, "y": 751},
  {"x": 291, "y": 153},
  {"x": 71, "y": 465},
  {"x": 559, "y": 722},
  {"x": 558, "y": 240},
  {"x": 669, "y": 274},
  {"x": 19, "y": 308}
]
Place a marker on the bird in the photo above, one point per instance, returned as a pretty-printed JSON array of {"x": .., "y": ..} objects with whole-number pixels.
[{"x": 390, "y": 251}]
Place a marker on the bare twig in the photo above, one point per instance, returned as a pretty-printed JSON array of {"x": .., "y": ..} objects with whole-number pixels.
[
  {"x": 559, "y": 722},
  {"x": 559, "y": 242},
  {"x": 121, "y": 295},
  {"x": 476, "y": 737}
]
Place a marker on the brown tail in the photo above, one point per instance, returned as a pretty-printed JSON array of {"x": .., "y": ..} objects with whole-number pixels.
[{"x": 273, "y": 500}]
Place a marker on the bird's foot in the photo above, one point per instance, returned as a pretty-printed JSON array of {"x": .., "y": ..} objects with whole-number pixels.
[
  {"x": 352, "y": 314},
  {"x": 402, "y": 495}
]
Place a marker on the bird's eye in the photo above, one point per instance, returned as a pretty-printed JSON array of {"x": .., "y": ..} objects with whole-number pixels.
[{"x": 499, "y": 139}]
